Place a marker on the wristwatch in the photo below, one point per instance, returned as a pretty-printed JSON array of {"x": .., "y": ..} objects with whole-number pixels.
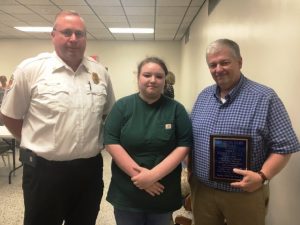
[{"x": 265, "y": 180}]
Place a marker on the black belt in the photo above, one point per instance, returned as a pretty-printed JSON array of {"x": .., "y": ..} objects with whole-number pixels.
[{"x": 30, "y": 158}]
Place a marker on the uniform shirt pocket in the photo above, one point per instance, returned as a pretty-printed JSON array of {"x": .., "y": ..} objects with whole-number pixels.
[
  {"x": 54, "y": 96},
  {"x": 99, "y": 97}
]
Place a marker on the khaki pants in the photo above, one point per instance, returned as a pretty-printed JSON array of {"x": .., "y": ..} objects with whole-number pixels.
[{"x": 212, "y": 206}]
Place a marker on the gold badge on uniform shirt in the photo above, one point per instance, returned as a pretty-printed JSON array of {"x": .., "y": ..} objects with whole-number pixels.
[{"x": 95, "y": 78}]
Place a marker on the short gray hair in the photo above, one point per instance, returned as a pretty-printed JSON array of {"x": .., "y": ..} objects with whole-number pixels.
[
  {"x": 215, "y": 46},
  {"x": 66, "y": 13}
]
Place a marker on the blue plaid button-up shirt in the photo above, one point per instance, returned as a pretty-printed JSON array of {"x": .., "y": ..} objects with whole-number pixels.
[{"x": 250, "y": 109}]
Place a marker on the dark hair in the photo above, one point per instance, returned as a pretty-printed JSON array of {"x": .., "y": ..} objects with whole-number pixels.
[{"x": 153, "y": 60}]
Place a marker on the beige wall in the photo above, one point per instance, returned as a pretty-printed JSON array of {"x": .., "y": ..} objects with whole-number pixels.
[
  {"x": 269, "y": 36},
  {"x": 121, "y": 58}
]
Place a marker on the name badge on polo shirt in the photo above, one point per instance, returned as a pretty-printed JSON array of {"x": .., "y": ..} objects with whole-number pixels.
[{"x": 168, "y": 126}]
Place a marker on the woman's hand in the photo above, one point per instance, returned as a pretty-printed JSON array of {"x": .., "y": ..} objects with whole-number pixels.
[
  {"x": 144, "y": 179},
  {"x": 155, "y": 189}
]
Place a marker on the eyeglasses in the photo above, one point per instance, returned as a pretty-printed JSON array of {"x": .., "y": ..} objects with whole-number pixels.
[{"x": 68, "y": 33}]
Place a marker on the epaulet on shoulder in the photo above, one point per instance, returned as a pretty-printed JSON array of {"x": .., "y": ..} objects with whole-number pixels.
[
  {"x": 41, "y": 56},
  {"x": 44, "y": 55}
]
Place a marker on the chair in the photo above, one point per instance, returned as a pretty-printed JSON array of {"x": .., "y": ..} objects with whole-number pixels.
[
  {"x": 182, "y": 220},
  {"x": 186, "y": 194},
  {"x": 4, "y": 148}
]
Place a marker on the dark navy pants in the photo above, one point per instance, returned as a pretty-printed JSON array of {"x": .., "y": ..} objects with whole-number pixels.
[{"x": 66, "y": 192}]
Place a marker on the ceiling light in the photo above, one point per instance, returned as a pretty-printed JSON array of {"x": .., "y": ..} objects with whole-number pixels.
[
  {"x": 132, "y": 30},
  {"x": 34, "y": 29}
]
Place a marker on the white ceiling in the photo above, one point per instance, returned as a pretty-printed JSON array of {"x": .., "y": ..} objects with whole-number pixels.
[{"x": 169, "y": 18}]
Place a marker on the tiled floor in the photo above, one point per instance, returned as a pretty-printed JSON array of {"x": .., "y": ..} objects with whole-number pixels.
[{"x": 11, "y": 198}]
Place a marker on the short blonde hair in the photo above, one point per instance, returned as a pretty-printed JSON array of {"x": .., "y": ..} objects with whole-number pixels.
[
  {"x": 3, "y": 80},
  {"x": 170, "y": 78}
]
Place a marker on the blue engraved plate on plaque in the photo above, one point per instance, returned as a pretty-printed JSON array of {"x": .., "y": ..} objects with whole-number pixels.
[{"x": 228, "y": 152}]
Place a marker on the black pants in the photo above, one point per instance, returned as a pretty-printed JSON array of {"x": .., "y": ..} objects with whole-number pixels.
[{"x": 68, "y": 191}]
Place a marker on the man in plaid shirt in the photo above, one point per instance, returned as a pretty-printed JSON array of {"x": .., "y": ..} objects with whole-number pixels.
[{"x": 236, "y": 106}]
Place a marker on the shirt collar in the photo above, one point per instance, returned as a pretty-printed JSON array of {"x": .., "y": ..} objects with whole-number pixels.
[
  {"x": 59, "y": 63},
  {"x": 233, "y": 93}
]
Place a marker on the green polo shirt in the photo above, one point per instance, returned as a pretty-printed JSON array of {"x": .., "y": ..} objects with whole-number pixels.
[{"x": 148, "y": 132}]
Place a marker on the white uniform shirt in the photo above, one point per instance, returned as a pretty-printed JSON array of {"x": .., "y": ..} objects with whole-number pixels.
[{"x": 61, "y": 110}]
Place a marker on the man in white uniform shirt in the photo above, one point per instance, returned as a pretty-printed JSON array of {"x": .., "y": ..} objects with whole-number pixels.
[{"x": 55, "y": 107}]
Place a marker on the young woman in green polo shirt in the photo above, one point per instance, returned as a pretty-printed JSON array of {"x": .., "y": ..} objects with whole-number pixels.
[{"x": 147, "y": 135}]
